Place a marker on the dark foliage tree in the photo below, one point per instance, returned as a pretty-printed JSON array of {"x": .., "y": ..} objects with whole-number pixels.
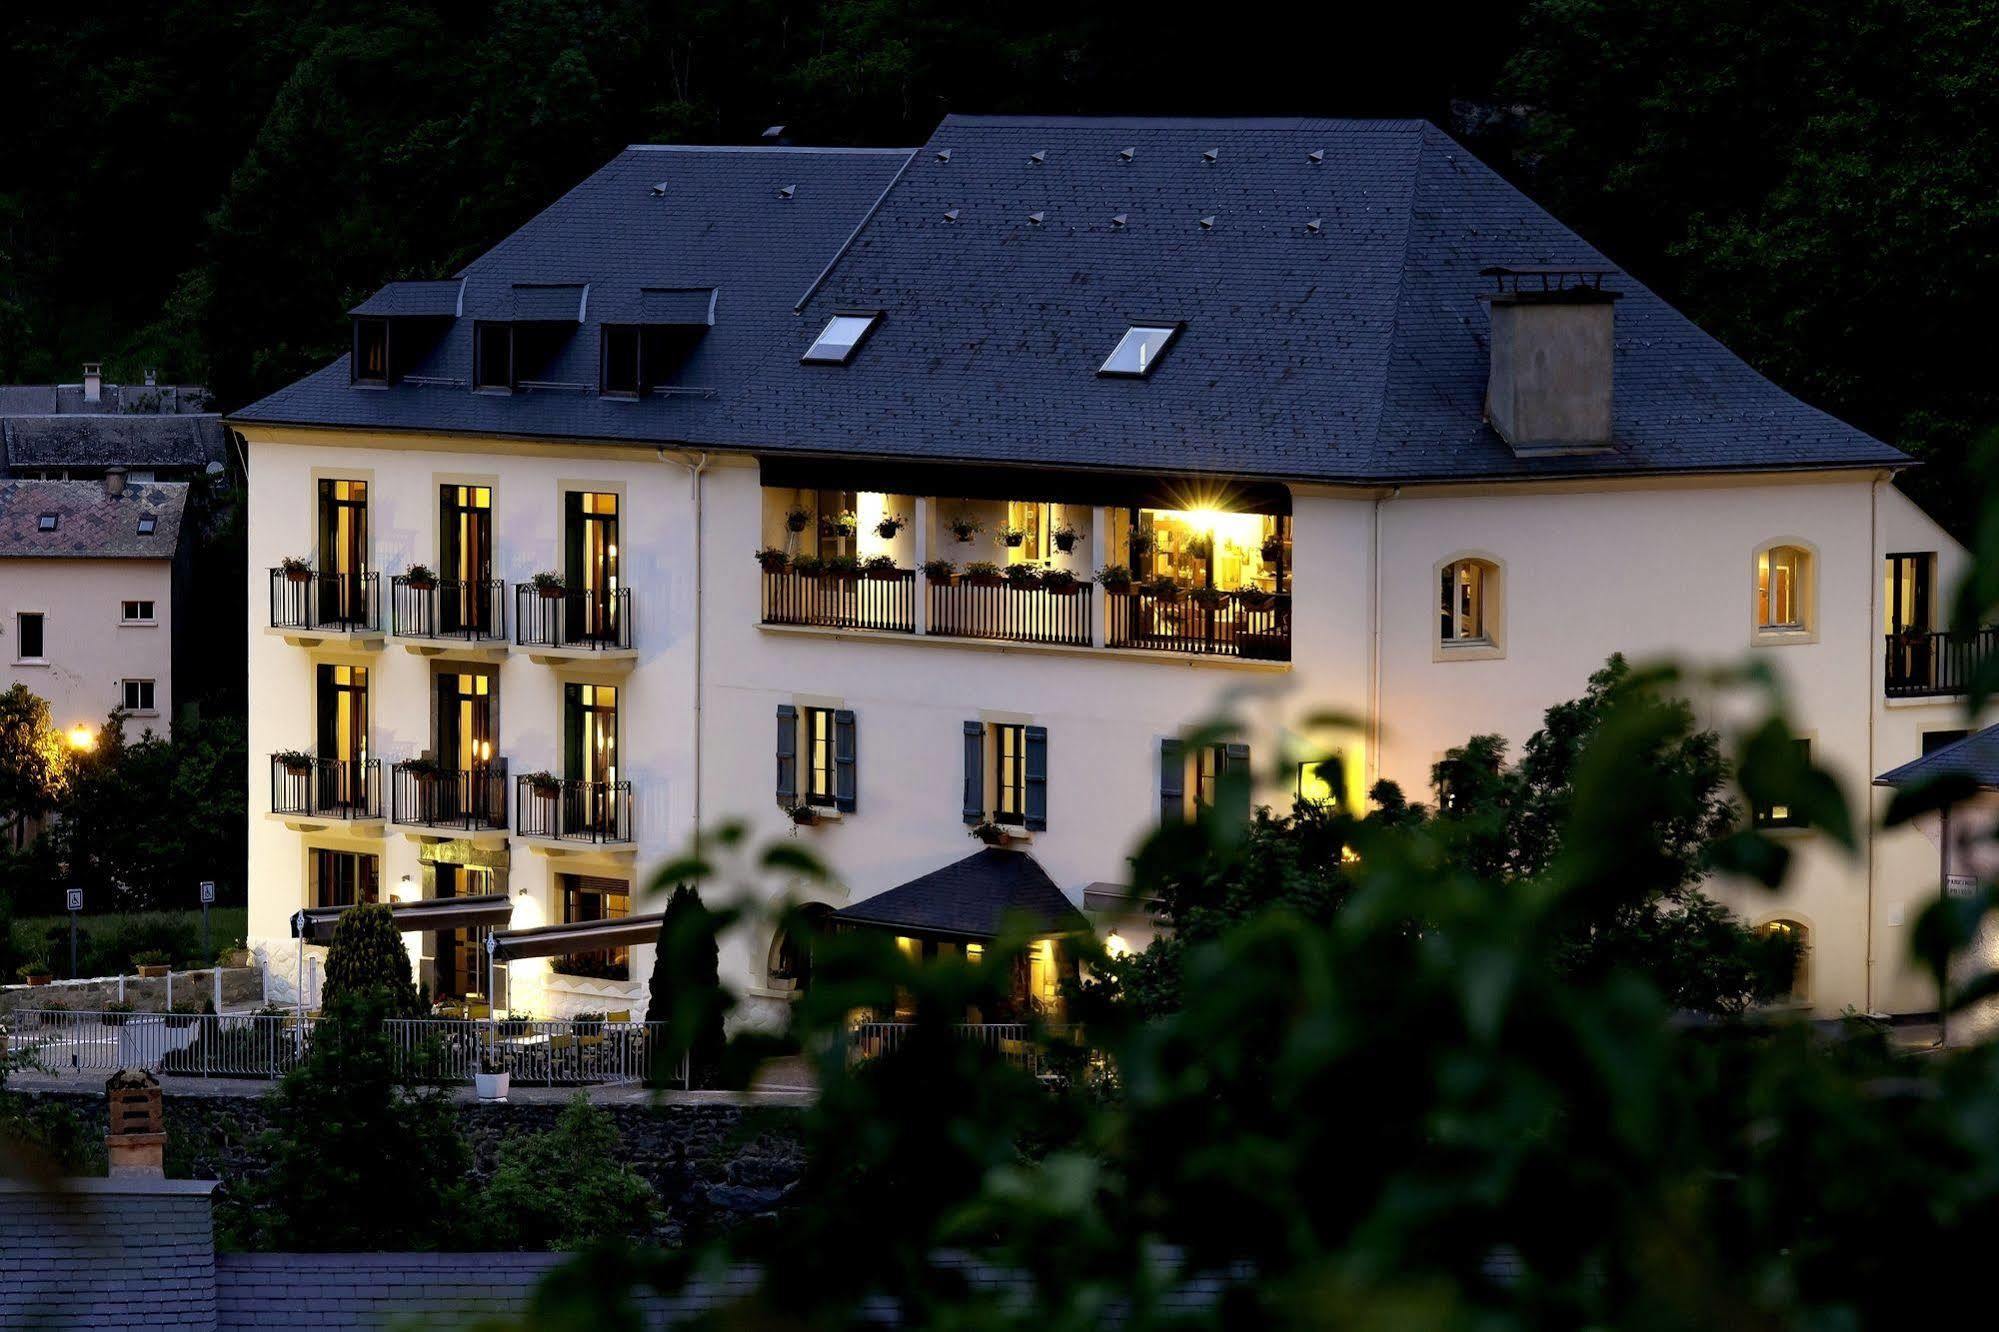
[
  {"x": 566, "y": 1188},
  {"x": 368, "y": 960},
  {"x": 686, "y": 995}
]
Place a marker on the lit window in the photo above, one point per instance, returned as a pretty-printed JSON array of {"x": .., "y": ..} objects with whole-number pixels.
[
  {"x": 136, "y": 695},
  {"x": 148, "y": 524},
  {"x": 1010, "y": 774},
  {"x": 1781, "y": 572},
  {"x": 371, "y": 351},
  {"x": 839, "y": 340},
  {"x": 1318, "y": 781},
  {"x": 46, "y": 523},
  {"x": 1462, "y": 590},
  {"x": 1785, "y": 816},
  {"x": 1138, "y": 350},
  {"x": 819, "y": 757}
]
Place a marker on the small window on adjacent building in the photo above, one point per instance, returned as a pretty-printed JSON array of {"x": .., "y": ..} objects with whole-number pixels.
[
  {"x": 28, "y": 636},
  {"x": 1464, "y": 593},
  {"x": 1782, "y": 577},
  {"x": 1318, "y": 781},
  {"x": 45, "y": 523},
  {"x": 371, "y": 351},
  {"x": 148, "y": 524},
  {"x": 1785, "y": 816},
  {"x": 840, "y": 339},
  {"x": 136, "y": 612},
  {"x": 136, "y": 695},
  {"x": 1139, "y": 350},
  {"x": 493, "y": 356}
]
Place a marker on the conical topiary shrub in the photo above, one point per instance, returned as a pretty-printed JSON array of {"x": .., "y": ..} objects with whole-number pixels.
[
  {"x": 686, "y": 995},
  {"x": 367, "y": 955}
]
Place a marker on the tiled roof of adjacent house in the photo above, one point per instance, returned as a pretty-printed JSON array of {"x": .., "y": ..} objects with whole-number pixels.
[
  {"x": 107, "y": 1253},
  {"x": 1325, "y": 274},
  {"x": 1975, "y": 758},
  {"x": 95, "y": 442},
  {"x": 972, "y": 898},
  {"x": 90, "y": 523}
]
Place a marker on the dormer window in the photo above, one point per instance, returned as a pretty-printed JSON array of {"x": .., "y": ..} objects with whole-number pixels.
[
  {"x": 622, "y": 371},
  {"x": 635, "y": 359},
  {"x": 45, "y": 523},
  {"x": 148, "y": 524},
  {"x": 371, "y": 351},
  {"x": 493, "y": 356},
  {"x": 840, "y": 339},
  {"x": 1139, "y": 350}
]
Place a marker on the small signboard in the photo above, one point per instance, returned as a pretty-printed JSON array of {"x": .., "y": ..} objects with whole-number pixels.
[
  {"x": 1960, "y": 885},
  {"x": 207, "y": 891},
  {"x": 75, "y": 896}
]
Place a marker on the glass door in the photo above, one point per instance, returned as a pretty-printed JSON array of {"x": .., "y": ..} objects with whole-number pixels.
[
  {"x": 461, "y": 954},
  {"x": 590, "y": 736},
  {"x": 342, "y": 736},
  {"x": 343, "y": 551},
  {"x": 465, "y": 734},
  {"x": 465, "y": 560},
  {"x": 1911, "y": 647},
  {"x": 592, "y": 567}
]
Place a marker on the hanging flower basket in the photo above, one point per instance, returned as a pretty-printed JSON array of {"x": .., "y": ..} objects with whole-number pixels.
[
  {"x": 965, "y": 527},
  {"x": 1013, "y": 536},
  {"x": 1272, "y": 548},
  {"x": 890, "y": 525},
  {"x": 797, "y": 520},
  {"x": 1066, "y": 538}
]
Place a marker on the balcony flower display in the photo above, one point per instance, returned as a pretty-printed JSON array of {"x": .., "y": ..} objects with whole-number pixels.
[
  {"x": 881, "y": 567},
  {"x": 1207, "y": 596},
  {"x": 296, "y": 569},
  {"x": 1114, "y": 578},
  {"x": 992, "y": 834},
  {"x": 773, "y": 560},
  {"x": 421, "y": 577},
  {"x": 1022, "y": 576},
  {"x": 940, "y": 571},
  {"x": 1013, "y": 536},
  {"x": 1065, "y": 538},
  {"x": 1060, "y": 581},
  {"x": 1273, "y": 546},
  {"x": 843, "y": 566},
  {"x": 964, "y": 526},
  {"x": 890, "y": 524},
  {"x": 1141, "y": 541},
  {"x": 798, "y": 519},
  {"x": 809, "y": 565},
  {"x": 803, "y": 815},
  {"x": 548, "y": 584},
  {"x": 293, "y": 760},
  {"x": 543, "y": 783},
  {"x": 1162, "y": 589},
  {"x": 1256, "y": 599},
  {"x": 983, "y": 573}
]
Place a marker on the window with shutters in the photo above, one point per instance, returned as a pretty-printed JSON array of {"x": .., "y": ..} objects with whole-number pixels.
[
  {"x": 1006, "y": 774},
  {"x": 817, "y": 757},
  {"x": 1194, "y": 779}
]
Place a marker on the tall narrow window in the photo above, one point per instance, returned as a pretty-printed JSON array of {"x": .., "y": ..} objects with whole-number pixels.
[
  {"x": 28, "y": 637},
  {"x": 371, "y": 351},
  {"x": 1799, "y": 938},
  {"x": 621, "y": 371},
  {"x": 1781, "y": 574},
  {"x": 1912, "y": 651},
  {"x": 1781, "y": 815},
  {"x": 1462, "y": 602},
  {"x": 1209, "y": 763},
  {"x": 819, "y": 787},
  {"x": 343, "y": 551},
  {"x": 465, "y": 560},
  {"x": 343, "y": 735},
  {"x": 1009, "y": 774}
]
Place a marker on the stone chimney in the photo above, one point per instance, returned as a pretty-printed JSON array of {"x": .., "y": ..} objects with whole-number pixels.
[
  {"x": 93, "y": 381},
  {"x": 152, "y": 376},
  {"x": 136, "y": 1142},
  {"x": 1549, "y": 390},
  {"x": 114, "y": 480}
]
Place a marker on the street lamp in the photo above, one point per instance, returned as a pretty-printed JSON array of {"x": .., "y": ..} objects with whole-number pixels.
[{"x": 81, "y": 738}]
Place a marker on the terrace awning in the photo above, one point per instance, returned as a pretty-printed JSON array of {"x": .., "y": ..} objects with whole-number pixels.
[
  {"x": 485, "y": 911},
  {"x": 580, "y": 937}
]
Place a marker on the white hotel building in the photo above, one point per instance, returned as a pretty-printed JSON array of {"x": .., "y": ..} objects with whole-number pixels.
[{"x": 1410, "y": 450}]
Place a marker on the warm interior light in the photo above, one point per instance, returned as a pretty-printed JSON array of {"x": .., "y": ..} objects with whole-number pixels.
[
  {"x": 82, "y": 738},
  {"x": 1115, "y": 945}
]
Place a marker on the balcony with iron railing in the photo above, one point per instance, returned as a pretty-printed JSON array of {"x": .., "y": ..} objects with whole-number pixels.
[
  {"x": 465, "y": 801},
  {"x": 431, "y": 613},
  {"x": 1023, "y": 607},
  {"x": 310, "y": 606},
  {"x": 1936, "y": 663},
  {"x": 310, "y": 792},
  {"x": 567, "y": 812},
  {"x": 567, "y": 623},
  {"x": 841, "y": 598},
  {"x": 1251, "y": 625}
]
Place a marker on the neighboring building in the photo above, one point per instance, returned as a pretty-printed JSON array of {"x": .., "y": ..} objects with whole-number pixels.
[
  {"x": 1414, "y": 452},
  {"x": 67, "y": 432}
]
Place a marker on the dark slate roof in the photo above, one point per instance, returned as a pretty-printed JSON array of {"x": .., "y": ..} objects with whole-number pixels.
[
  {"x": 718, "y": 223},
  {"x": 107, "y": 1253},
  {"x": 423, "y": 299},
  {"x": 90, "y": 524},
  {"x": 1975, "y": 757},
  {"x": 115, "y": 399},
  {"x": 1350, "y": 351},
  {"x": 190, "y": 441},
  {"x": 971, "y": 897}
]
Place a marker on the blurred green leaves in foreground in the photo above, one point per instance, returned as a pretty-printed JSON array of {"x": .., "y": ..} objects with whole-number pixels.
[{"x": 1430, "y": 1083}]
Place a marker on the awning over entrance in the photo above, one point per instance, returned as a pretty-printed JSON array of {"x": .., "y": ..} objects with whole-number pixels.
[
  {"x": 583, "y": 937},
  {"x": 488, "y": 910},
  {"x": 971, "y": 899}
]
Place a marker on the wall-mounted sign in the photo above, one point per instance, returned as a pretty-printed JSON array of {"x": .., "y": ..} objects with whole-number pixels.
[{"x": 1960, "y": 885}]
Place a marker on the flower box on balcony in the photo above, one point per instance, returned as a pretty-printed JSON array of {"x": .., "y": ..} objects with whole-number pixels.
[
  {"x": 294, "y": 761},
  {"x": 1256, "y": 599},
  {"x": 548, "y": 586},
  {"x": 545, "y": 785},
  {"x": 881, "y": 567},
  {"x": 843, "y": 567},
  {"x": 942, "y": 572},
  {"x": 296, "y": 570},
  {"x": 983, "y": 574},
  {"x": 1163, "y": 590},
  {"x": 420, "y": 578},
  {"x": 1061, "y": 582},
  {"x": 773, "y": 560}
]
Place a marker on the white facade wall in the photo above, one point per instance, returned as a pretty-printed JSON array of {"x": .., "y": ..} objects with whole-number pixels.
[
  {"x": 1659, "y": 570},
  {"x": 88, "y": 649}
]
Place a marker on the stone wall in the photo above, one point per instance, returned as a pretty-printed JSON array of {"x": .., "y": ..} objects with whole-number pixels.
[
  {"x": 713, "y": 1166},
  {"x": 241, "y": 987}
]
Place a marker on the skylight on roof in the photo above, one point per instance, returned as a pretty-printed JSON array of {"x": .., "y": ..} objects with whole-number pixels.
[
  {"x": 1139, "y": 350},
  {"x": 45, "y": 523},
  {"x": 148, "y": 524},
  {"x": 841, "y": 337}
]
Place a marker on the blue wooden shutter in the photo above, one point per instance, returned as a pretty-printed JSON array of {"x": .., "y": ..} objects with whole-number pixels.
[
  {"x": 1236, "y": 779},
  {"x": 1037, "y": 777},
  {"x": 1172, "y": 781},
  {"x": 787, "y": 754},
  {"x": 845, "y": 795},
  {"x": 975, "y": 772}
]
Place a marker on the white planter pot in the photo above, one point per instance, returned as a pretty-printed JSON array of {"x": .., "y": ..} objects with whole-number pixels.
[{"x": 491, "y": 1086}]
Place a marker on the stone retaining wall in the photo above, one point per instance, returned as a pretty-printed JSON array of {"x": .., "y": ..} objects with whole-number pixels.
[
  {"x": 241, "y": 986},
  {"x": 713, "y": 1166}
]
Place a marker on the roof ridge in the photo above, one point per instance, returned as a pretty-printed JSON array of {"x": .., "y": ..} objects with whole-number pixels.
[
  {"x": 1387, "y": 366},
  {"x": 760, "y": 148}
]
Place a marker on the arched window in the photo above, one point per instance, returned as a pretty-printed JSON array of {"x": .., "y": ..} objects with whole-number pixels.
[
  {"x": 1467, "y": 601},
  {"x": 1798, "y": 937},
  {"x": 789, "y": 966},
  {"x": 1783, "y": 589}
]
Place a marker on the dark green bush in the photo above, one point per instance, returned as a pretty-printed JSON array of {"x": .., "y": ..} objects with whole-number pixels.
[
  {"x": 566, "y": 1188},
  {"x": 368, "y": 957}
]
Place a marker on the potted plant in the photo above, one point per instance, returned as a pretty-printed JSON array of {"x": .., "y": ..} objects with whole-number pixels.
[
  {"x": 545, "y": 784},
  {"x": 797, "y": 519},
  {"x": 881, "y": 567},
  {"x": 964, "y": 526},
  {"x": 293, "y": 760},
  {"x": 1012, "y": 536},
  {"x": 490, "y": 1083},
  {"x": 992, "y": 834},
  {"x": 804, "y": 815},
  {"x": 515, "y": 1025},
  {"x": 36, "y": 971},
  {"x": 843, "y": 566},
  {"x": 772, "y": 560},
  {"x": 1273, "y": 546},
  {"x": 589, "y": 1024},
  {"x": 1065, "y": 538},
  {"x": 116, "y": 1011},
  {"x": 152, "y": 963},
  {"x": 1256, "y": 599},
  {"x": 183, "y": 1014},
  {"x": 548, "y": 585},
  {"x": 1022, "y": 576},
  {"x": 1202, "y": 546},
  {"x": 1210, "y": 597},
  {"x": 1141, "y": 541},
  {"x": 890, "y": 524},
  {"x": 1061, "y": 582},
  {"x": 296, "y": 569},
  {"x": 982, "y": 573},
  {"x": 940, "y": 571},
  {"x": 809, "y": 565},
  {"x": 844, "y": 524},
  {"x": 1162, "y": 589},
  {"x": 420, "y": 577},
  {"x": 1114, "y": 578}
]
